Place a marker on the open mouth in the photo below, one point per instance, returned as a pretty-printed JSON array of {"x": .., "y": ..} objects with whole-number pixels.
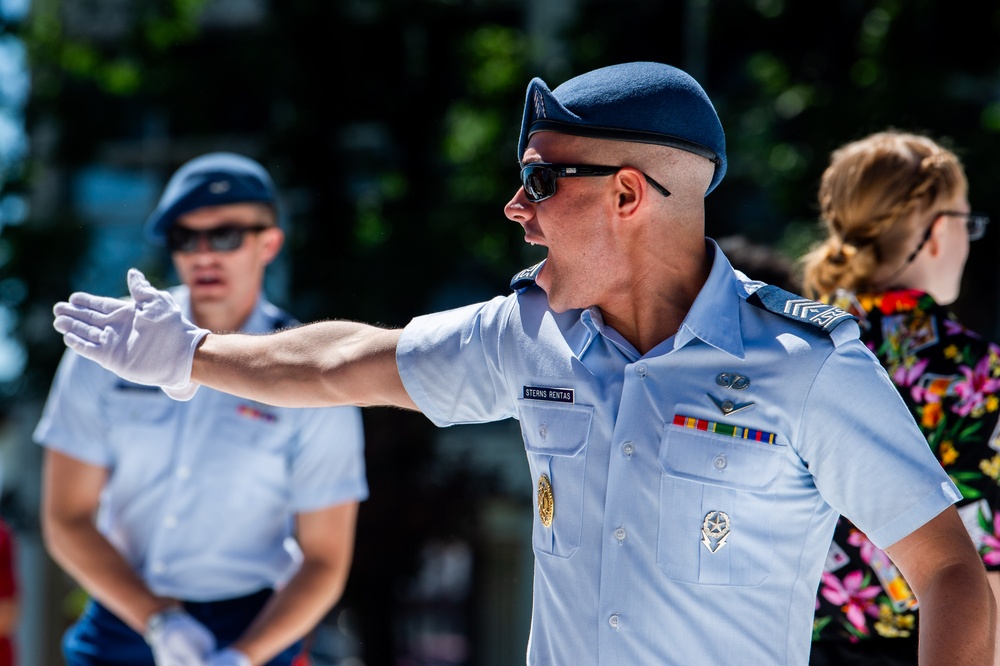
[{"x": 207, "y": 280}]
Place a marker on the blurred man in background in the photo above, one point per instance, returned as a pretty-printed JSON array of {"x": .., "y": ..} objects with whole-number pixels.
[{"x": 225, "y": 527}]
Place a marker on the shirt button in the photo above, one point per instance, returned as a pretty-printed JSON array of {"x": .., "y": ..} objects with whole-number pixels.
[
  {"x": 543, "y": 431},
  {"x": 620, "y": 533},
  {"x": 720, "y": 462},
  {"x": 158, "y": 567},
  {"x": 183, "y": 472},
  {"x": 613, "y": 621},
  {"x": 170, "y": 522},
  {"x": 641, "y": 370},
  {"x": 628, "y": 448}
]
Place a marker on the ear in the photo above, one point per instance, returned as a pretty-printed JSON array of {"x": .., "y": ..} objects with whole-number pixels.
[
  {"x": 630, "y": 190},
  {"x": 271, "y": 241},
  {"x": 935, "y": 243}
]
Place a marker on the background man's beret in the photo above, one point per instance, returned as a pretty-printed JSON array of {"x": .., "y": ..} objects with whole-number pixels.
[
  {"x": 645, "y": 102},
  {"x": 214, "y": 179}
]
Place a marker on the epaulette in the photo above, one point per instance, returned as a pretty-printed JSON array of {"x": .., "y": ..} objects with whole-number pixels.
[
  {"x": 785, "y": 303},
  {"x": 526, "y": 278}
]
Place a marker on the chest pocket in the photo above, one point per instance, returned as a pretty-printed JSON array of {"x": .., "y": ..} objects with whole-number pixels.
[
  {"x": 555, "y": 438},
  {"x": 141, "y": 424},
  {"x": 135, "y": 412},
  {"x": 715, "y": 513},
  {"x": 246, "y": 459}
]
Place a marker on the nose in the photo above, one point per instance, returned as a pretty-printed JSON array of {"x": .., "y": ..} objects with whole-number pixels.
[
  {"x": 519, "y": 209},
  {"x": 203, "y": 245},
  {"x": 203, "y": 250}
]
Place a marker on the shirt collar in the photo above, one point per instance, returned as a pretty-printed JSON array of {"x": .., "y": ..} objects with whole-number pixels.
[{"x": 714, "y": 317}]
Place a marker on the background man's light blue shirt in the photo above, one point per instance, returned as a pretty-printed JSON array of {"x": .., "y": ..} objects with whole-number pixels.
[
  {"x": 201, "y": 495},
  {"x": 631, "y": 570}
]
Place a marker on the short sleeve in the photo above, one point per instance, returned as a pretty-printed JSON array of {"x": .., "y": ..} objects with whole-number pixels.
[
  {"x": 72, "y": 419},
  {"x": 869, "y": 459},
  {"x": 452, "y": 363}
]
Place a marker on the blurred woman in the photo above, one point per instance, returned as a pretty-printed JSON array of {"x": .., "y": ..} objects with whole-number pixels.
[{"x": 896, "y": 212}]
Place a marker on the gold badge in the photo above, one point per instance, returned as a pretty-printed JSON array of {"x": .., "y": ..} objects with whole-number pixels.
[{"x": 546, "y": 502}]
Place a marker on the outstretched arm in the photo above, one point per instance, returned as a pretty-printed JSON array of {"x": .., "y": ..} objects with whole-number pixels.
[
  {"x": 958, "y": 615},
  {"x": 148, "y": 340},
  {"x": 316, "y": 365}
]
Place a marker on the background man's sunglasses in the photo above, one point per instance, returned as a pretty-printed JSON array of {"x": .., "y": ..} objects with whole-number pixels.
[
  {"x": 226, "y": 238},
  {"x": 539, "y": 178}
]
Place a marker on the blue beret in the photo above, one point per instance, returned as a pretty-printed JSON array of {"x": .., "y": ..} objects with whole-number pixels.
[
  {"x": 214, "y": 179},
  {"x": 644, "y": 102}
]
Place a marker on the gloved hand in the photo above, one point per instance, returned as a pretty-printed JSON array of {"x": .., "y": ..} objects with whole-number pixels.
[
  {"x": 177, "y": 639},
  {"x": 146, "y": 340},
  {"x": 228, "y": 657}
]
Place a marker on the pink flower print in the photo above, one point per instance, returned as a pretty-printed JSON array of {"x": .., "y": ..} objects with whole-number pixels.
[
  {"x": 991, "y": 556},
  {"x": 854, "y": 600},
  {"x": 858, "y": 539},
  {"x": 906, "y": 376},
  {"x": 973, "y": 390},
  {"x": 991, "y": 543},
  {"x": 932, "y": 392}
]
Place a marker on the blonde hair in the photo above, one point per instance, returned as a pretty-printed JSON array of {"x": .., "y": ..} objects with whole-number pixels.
[{"x": 868, "y": 196}]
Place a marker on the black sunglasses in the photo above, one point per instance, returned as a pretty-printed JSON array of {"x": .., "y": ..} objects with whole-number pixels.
[
  {"x": 539, "y": 178},
  {"x": 974, "y": 222},
  {"x": 225, "y": 238}
]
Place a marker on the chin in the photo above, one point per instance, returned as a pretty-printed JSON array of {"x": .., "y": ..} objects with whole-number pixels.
[
  {"x": 208, "y": 293},
  {"x": 945, "y": 296}
]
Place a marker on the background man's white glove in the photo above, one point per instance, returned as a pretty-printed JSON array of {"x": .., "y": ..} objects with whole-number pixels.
[
  {"x": 146, "y": 340},
  {"x": 177, "y": 639},
  {"x": 228, "y": 657}
]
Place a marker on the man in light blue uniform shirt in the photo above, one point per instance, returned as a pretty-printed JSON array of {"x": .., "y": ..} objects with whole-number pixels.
[
  {"x": 691, "y": 434},
  {"x": 225, "y": 527}
]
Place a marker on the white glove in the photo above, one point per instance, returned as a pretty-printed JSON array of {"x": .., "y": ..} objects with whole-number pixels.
[
  {"x": 146, "y": 340},
  {"x": 177, "y": 639},
  {"x": 228, "y": 657}
]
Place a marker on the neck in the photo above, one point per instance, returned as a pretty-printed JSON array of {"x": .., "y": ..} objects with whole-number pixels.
[
  {"x": 922, "y": 276},
  {"x": 220, "y": 317},
  {"x": 651, "y": 306}
]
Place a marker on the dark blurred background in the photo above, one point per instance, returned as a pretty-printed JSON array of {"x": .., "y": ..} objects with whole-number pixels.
[{"x": 391, "y": 128}]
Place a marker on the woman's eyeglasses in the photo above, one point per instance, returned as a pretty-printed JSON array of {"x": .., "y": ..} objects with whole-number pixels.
[
  {"x": 975, "y": 223},
  {"x": 225, "y": 238},
  {"x": 539, "y": 178}
]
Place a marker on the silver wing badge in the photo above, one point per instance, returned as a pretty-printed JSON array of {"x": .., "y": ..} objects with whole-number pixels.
[{"x": 728, "y": 407}]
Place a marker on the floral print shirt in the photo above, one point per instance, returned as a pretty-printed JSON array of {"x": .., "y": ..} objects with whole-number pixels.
[{"x": 950, "y": 379}]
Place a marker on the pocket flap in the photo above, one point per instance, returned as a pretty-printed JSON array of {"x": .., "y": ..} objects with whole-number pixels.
[
  {"x": 554, "y": 430},
  {"x": 718, "y": 459}
]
